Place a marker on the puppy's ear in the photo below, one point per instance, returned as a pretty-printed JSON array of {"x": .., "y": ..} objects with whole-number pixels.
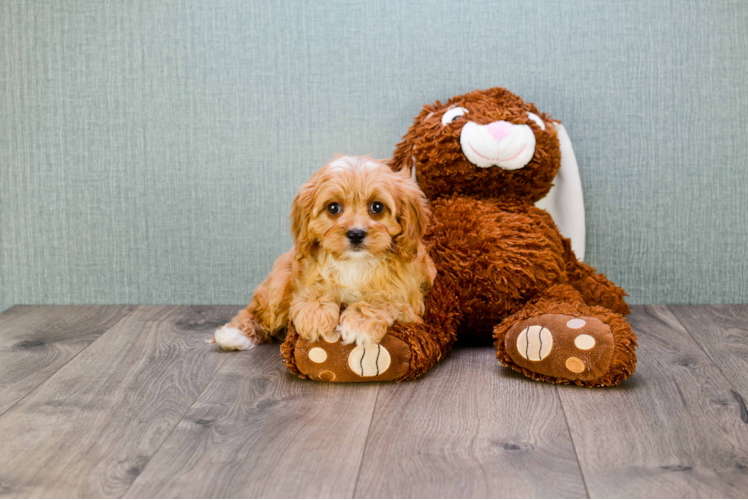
[
  {"x": 301, "y": 213},
  {"x": 413, "y": 216}
]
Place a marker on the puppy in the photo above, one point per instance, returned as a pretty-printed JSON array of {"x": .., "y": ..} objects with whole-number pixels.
[{"x": 357, "y": 229}]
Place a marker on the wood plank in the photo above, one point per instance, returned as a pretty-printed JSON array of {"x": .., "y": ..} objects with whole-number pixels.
[
  {"x": 722, "y": 332},
  {"x": 35, "y": 341},
  {"x": 673, "y": 429},
  {"x": 258, "y": 431},
  {"x": 90, "y": 428},
  {"x": 469, "y": 428}
]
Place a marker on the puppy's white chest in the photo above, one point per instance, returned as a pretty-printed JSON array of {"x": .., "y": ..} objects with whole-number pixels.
[{"x": 353, "y": 277}]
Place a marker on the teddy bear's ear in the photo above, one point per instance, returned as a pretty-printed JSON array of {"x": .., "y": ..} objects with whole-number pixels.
[
  {"x": 565, "y": 202},
  {"x": 403, "y": 158}
]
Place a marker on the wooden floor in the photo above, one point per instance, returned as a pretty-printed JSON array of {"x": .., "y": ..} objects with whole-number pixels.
[{"x": 128, "y": 401}]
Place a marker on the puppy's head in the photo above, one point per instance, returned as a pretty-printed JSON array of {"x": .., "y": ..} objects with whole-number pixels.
[{"x": 357, "y": 207}]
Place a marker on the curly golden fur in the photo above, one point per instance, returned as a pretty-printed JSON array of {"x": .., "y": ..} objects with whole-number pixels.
[{"x": 357, "y": 229}]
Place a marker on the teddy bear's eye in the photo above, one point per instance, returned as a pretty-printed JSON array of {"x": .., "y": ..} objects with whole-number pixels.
[
  {"x": 536, "y": 119},
  {"x": 452, "y": 114}
]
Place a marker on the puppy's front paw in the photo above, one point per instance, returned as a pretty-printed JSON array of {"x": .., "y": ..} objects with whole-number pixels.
[
  {"x": 231, "y": 338},
  {"x": 314, "y": 323},
  {"x": 354, "y": 327}
]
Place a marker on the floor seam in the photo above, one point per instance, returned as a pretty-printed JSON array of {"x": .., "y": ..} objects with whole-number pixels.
[
  {"x": 706, "y": 353},
  {"x": 366, "y": 440},
  {"x": 172, "y": 429},
  {"x": 68, "y": 362},
  {"x": 573, "y": 446}
]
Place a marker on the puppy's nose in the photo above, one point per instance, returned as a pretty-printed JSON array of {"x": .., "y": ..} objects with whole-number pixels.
[
  {"x": 356, "y": 236},
  {"x": 499, "y": 130}
]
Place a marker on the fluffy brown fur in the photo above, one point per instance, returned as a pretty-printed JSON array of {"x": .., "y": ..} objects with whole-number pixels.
[
  {"x": 377, "y": 280},
  {"x": 501, "y": 260}
]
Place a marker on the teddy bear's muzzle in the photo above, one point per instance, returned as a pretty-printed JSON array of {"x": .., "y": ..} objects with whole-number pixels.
[{"x": 500, "y": 144}]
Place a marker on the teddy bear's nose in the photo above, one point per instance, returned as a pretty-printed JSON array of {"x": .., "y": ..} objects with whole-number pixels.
[{"x": 500, "y": 129}]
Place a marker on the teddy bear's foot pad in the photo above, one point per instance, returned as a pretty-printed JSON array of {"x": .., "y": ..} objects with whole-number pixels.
[
  {"x": 335, "y": 362},
  {"x": 561, "y": 346}
]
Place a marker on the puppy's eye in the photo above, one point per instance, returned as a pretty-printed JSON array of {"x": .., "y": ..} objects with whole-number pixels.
[
  {"x": 376, "y": 208},
  {"x": 453, "y": 114},
  {"x": 536, "y": 119},
  {"x": 334, "y": 208}
]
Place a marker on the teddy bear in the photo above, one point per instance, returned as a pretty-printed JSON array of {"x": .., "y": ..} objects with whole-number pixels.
[{"x": 505, "y": 273}]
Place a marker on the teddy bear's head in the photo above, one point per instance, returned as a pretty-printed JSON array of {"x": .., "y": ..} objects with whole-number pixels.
[{"x": 486, "y": 143}]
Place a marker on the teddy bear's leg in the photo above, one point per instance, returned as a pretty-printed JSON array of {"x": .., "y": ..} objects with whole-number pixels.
[
  {"x": 596, "y": 289},
  {"x": 558, "y": 338},
  {"x": 329, "y": 360},
  {"x": 407, "y": 351}
]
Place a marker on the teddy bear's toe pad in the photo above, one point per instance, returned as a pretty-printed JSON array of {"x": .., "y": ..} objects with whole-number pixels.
[
  {"x": 561, "y": 346},
  {"x": 336, "y": 362}
]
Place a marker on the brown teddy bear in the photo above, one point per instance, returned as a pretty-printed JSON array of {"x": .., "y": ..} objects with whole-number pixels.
[{"x": 483, "y": 160}]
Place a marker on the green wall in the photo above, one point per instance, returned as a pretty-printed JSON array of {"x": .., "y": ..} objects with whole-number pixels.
[{"x": 149, "y": 151}]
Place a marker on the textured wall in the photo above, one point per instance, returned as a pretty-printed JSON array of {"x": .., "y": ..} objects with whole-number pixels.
[{"x": 149, "y": 151}]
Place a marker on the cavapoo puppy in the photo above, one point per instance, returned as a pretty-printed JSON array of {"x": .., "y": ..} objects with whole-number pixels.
[{"x": 357, "y": 266}]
